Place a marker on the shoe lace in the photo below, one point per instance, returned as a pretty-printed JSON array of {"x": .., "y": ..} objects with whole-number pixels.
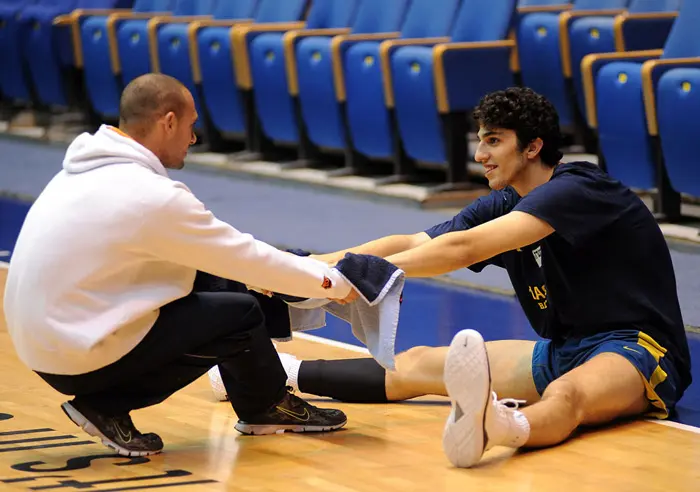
[
  {"x": 503, "y": 413},
  {"x": 293, "y": 400},
  {"x": 507, "y": 404}
]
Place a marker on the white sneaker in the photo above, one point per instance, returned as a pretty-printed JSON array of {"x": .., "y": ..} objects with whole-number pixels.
[
  {"x": 468, "y": 384},
  {"x": 289, "y": 362},
  {"x": 217, "y": 385},
  {"x": 478, "y": 421}
]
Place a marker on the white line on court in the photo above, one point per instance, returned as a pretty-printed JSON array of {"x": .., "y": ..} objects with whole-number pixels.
[
  {"x": 332, "y": 343},
  {"x": 676, "y": 425}
]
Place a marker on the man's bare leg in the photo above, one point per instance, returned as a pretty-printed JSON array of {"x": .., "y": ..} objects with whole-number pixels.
[
  {"x": 603, "y": 389},
  {"x": 420, "y": 371}
]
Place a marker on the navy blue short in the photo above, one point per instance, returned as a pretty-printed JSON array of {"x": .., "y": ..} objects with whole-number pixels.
[{"x": 552, "y": 360}]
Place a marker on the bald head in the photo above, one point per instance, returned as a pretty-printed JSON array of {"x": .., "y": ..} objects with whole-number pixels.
[
  {"x": 158, "y": 111},
  {"x": 148, "y": 98}
]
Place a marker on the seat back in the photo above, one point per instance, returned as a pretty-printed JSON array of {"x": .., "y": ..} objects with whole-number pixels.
[
  {"x": 17, "y": 2},
  {"x": 600, "y": 4},
  {"x": 235, "y": 9},
  {"x": 380, "y": 16},
  {"x": 104, "y": 4},
  {"x": 484, "y": 21},
  {"x": 281, "y": 10},
  {"x": 637, "y": 6},
  {"x": 539, "y": 3},
  {"x": 194, "y": 7},
  {"x": 329, "y": 14},
  {"x": 56, "y": 3},
  {"x": 429, "y": 18},
  {"x": 153, "y": 5},
  {"x": 683, "y": 40}
]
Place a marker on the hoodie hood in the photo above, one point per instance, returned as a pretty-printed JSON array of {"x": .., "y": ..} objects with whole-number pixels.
[{"x": 108, "y": 147}]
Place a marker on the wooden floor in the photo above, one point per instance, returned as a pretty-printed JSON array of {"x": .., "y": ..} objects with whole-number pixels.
[{"x": 384, "y": 447}]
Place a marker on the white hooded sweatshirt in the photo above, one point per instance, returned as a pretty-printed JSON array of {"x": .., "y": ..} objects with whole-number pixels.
[{"x": 109, "y": 241}]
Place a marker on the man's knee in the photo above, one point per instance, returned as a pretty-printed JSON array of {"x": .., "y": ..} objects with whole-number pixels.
[
  {"x": 235, "y": 313},
  {"x": 254, "y": 315},
  {"x": 413, "y": 353},
  {"x": 419, "y": 360},
  {"x": 568, "y": 394},
  {"x": 603, "y": 389},
  {"x": 419, "y": 372}
]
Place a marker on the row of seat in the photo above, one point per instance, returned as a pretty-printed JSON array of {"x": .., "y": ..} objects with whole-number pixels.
[
  {"x": 607, "y": 81},
  {"x": 374, "y": 80},
  {"x": 639, "y": 103}
]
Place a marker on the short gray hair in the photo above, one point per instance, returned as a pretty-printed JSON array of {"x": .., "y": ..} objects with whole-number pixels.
[{"x": 149, "y": 97}]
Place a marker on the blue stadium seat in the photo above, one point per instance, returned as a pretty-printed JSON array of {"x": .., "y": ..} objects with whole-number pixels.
[
  {"x": 620, "y": 96},
  {"x": 50, "y": 53},
  {"x": 677, "y": 107},
  {"x": 596, "y": 34},
  {"x": 310, "y": 75},
  {"x": 135, "y": 46},
  {"x": 539, "y": 51},
  {"x": 173, "y": 38},
  {"x": 102, "y": 68},
  {"x": 262, "y": 70},
  {"x": 357, "y": 74},
  {"x": 216, "y": 70},
  {"x": 366, "y": 67},
  {"x": 526, "y": 7},
  {"x": 529, "y": 7},
  {"x": 13, "y": 81},
  {"x": 645, "y": 28},
  {"x": 33, "y": 20},
  {"x": 435, "y": 87}
]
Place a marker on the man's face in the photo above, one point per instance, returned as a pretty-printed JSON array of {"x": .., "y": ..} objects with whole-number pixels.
[
  {"x": 179, "y": 135},
  {"x": 498, "y": 152}
]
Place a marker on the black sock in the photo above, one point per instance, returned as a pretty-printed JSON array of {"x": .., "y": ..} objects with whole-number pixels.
[{"x": 350, "y": 380}]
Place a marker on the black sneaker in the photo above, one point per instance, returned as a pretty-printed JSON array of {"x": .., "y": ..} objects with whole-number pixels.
[
  {"x": 117, "y": 433},
  {"x": 295, "y": 415}
]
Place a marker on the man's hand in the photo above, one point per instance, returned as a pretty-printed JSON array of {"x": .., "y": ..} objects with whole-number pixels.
[
  {"x": 330, "y": 259},
  {"x": 351, "y": 297},
  {"x": 261, "y": 291}
]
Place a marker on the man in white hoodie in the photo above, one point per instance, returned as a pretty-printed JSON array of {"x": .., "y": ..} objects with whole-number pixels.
[{"x": 102, "y": 299}]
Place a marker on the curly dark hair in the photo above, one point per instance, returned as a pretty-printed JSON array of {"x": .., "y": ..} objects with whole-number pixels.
[{"x": 527, "y": 113}]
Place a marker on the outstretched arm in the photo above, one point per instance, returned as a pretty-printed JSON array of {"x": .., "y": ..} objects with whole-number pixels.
[
  {"x": 182, "y": 231},
  {"x": 381, "y": 247},
  {"x": 461, "y": 249}
]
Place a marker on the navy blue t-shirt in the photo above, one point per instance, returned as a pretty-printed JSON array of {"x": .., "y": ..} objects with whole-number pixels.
[{"x": 606, "y": 267}]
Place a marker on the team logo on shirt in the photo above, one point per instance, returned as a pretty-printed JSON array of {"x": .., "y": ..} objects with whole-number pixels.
[{"x": 537, "y": 253}]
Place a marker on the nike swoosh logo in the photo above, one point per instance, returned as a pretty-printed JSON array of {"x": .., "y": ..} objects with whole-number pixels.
[
  {"x": 304, "y": 417},
  {"x": 122, "y": 436},
  {"x": 631, "y": 349}
]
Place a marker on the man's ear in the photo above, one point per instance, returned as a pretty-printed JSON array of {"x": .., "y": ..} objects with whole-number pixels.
[
  {"x": 534, "y": 148},
  {"x": 170, "y": 121}
]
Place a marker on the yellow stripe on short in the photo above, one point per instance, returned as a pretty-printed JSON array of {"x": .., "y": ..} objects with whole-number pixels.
[{"x": 658, "y": 409}]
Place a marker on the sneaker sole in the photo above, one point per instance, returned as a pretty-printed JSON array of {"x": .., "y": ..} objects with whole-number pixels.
[
  {"x": 464, "y": 439},
  {"x": 82, "y": 422},
  {"x": 260, "y": 430}
]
